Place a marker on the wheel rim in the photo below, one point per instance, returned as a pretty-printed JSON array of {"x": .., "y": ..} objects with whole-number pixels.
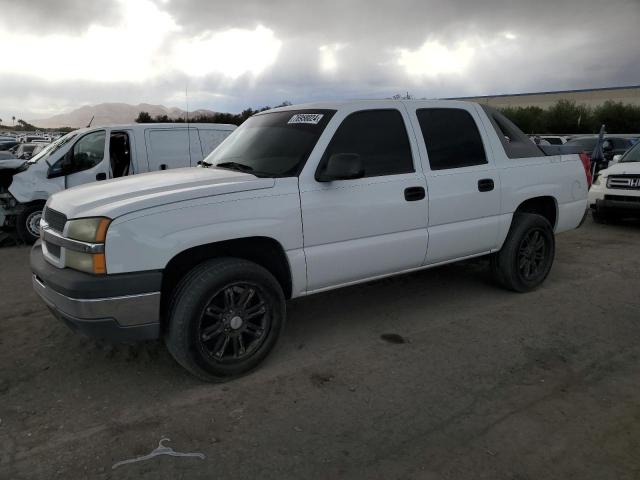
[
  {"x": 234, "y": 323},
  {"x": 33, "y": 223},
  {"x": 532, "y": 254}
]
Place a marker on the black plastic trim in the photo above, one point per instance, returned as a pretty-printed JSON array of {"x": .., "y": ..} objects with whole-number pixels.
[
  {"x": 74, "y": 284},
  {"x": 618, "y": 205},
  {"x": 109, "y": 329}
]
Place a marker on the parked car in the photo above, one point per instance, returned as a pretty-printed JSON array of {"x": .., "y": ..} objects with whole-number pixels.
[
  {"x": 6, "y": 155},
  {"x": 300, "y": 200},
  {"x": 615, "y": 192},
  {"x": 98, "y": 153},
  {"x": 613, "y": 145},
  {"x": 554, "y": 139},
  {"x": 25, "y": 151},
  {"x": 7, "y": 144}
]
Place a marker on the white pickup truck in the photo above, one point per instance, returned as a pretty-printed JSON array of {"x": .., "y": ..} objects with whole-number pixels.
[{"x": 300, "y": 200}]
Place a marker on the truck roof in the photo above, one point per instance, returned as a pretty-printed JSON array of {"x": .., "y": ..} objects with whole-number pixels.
[{"x": 336, "y": 105}]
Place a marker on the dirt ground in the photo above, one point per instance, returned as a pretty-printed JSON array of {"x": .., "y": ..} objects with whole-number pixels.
[{"x": 433, "y": 375}]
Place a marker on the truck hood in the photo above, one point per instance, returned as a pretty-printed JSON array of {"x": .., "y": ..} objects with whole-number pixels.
[
  {"x": 113, "y": 198},
  {"x": 622, "y": 168}
]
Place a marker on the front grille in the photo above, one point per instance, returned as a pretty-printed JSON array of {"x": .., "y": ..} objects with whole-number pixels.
[
  {"x": 622, "y": 198},
  {"x": 55, "y": 219},
  {"x": 627, "y": 182}
]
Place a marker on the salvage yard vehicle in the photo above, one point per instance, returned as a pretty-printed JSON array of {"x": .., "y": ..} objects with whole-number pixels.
[
  {"x": 613, "y": 145},
  {"x": 98, "y": 153},
  {"x": 300, "y": 200},
  {"x": 615, "y": 193}
]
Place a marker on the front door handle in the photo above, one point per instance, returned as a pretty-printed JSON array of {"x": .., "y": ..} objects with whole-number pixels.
[
  {"x": 413, "y": 194},
  {"x": 485, "y": 185}
]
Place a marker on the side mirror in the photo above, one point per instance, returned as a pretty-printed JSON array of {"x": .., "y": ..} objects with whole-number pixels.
[{"x": 342, "y": 166}]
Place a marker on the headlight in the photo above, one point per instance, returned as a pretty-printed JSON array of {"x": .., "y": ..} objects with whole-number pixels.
[
  {"x": 90, "y": 230},
  {"x": 93, "y": 230},
  {"x": 598, "y": 180}
]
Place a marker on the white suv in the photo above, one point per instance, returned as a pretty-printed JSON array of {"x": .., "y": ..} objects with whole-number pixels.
[{"x": 616, "y": 190}]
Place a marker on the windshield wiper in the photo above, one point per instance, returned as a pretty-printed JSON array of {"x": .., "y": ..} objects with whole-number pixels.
[{"x": 240, "y": 167}]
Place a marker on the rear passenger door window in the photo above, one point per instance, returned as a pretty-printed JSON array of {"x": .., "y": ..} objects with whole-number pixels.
[
  {"x": 379, "y": 137},
  {"x": 452, "y": 138}
]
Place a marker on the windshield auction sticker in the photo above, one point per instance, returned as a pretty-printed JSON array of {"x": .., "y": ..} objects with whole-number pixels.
[{"x": 310, "y": 118}]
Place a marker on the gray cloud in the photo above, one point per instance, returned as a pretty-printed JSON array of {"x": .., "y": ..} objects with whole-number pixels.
[
  {"x": 56, "y": 15},
  {"x": 558, "y": 45}
]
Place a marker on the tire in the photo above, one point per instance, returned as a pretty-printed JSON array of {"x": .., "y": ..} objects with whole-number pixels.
[
  {"x": 213, "y": 311},
  {"x": 28, "y": 222},
  {"x": 527, "y": 255}
]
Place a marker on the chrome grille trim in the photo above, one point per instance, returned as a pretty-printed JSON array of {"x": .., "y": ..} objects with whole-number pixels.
[
  {"x": 628, "y": 182},
  {"x": 56, "y": 220}
]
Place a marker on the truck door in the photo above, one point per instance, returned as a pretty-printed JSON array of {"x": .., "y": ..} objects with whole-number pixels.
[
  {"x": 463, "y": 182},
  {"x": 85, "y": 162},
  {"x": 370, "y": 226}
]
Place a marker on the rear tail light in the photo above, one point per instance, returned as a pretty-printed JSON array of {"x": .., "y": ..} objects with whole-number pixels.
[{"x": 586, "y": 163}]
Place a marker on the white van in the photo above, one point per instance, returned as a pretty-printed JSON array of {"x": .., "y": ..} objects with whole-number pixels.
[{"x": 99, "y": 153}]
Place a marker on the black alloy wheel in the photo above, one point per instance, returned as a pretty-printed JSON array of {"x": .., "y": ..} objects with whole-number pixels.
[{"x": 234, "y": 323}]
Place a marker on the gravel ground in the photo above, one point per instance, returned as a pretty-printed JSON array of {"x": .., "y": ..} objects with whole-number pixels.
[{"x": 432, "y": 375}]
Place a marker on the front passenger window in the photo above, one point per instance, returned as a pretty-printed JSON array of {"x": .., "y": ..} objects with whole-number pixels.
[{"x": 378, "y": 137}]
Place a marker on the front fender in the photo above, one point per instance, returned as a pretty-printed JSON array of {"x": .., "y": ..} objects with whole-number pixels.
[
  {"x": 148, "y": 241},
  {"x": 33, "y": 184}
]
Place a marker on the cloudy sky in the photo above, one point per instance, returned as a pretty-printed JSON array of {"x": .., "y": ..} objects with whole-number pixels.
[{"x": 60, "y": 54}]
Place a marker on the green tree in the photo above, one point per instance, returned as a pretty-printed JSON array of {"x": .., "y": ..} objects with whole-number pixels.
[
  {"x": 618, "y": 117},
  {"x": 528, "y": 119},
  {"x": 567, "y": 117},
  {"x": 144, "y": 117}
]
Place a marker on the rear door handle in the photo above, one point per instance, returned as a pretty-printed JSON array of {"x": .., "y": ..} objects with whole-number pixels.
[
  {"x": 485, "y": 185},
  {"x": 413, "y": 194}
]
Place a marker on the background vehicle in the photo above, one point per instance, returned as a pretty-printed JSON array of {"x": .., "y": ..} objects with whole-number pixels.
[
  {"x": 97, "y": 153},
  {"x": 616, "y": 191},
  {"x": 300, "y": 200},
  {"x": 7, "y": 144},
  {"x": 554, "y": 139},
  {"x": 25, "y": 151},
  {"x": 613, "y": 145}
]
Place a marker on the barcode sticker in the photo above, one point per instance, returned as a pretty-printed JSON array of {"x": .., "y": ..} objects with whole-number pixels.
[{"x": 310, "y": 118}]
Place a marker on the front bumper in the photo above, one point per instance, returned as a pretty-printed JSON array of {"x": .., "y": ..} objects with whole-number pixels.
[
  {"x": 623, "y": 205},
  {"x": 119, "y": 308}
]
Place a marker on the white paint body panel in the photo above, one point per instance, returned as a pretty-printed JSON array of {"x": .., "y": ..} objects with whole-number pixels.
[{"x": 333, "y": 233}]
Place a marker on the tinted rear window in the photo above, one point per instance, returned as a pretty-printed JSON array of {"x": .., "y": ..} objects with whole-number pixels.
[{"x": 451, "y": 137}]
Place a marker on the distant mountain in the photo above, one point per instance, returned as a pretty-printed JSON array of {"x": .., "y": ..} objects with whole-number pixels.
[{"x": 111, "y": 114}]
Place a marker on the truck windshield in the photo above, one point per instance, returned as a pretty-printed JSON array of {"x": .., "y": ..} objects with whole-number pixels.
[
  {"x": 53, "y": 147},
  {"x": 632, "y": 155},
  {"x": 271, "y": 144}
]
